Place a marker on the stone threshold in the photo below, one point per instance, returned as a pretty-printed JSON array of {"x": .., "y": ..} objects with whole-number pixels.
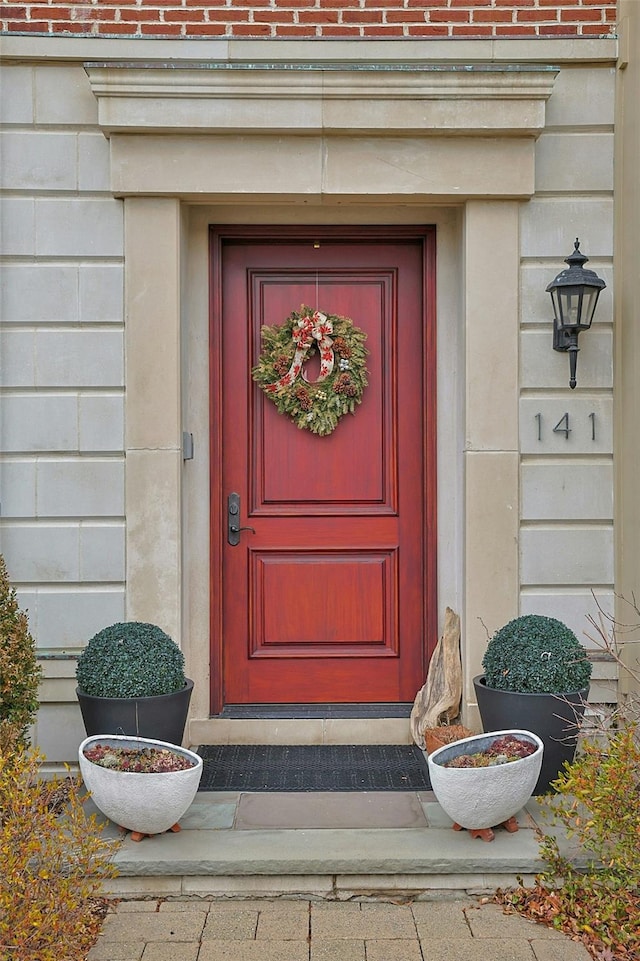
[{"x": 300, "y": 730}]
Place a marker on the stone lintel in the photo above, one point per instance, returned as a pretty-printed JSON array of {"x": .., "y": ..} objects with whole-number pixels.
[{"x": 322, "y": 169}]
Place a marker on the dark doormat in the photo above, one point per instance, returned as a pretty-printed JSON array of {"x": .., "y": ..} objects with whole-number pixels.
[{"x": 326, "y": 767}]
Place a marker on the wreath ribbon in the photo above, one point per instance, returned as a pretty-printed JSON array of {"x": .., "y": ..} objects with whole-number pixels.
[{"x": 316, "y": 327}]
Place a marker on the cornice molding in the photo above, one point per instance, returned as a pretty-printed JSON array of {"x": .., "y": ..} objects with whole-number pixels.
[{"x": 312, "y": 99}]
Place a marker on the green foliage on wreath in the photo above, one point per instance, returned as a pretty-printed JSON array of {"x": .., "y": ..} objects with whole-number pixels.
[{"x": 314, "y": 407}]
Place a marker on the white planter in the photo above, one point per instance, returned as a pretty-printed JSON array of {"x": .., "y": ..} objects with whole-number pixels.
[
  {"x": 478, "y": 798},
  {"x": 143, "y": 803}
]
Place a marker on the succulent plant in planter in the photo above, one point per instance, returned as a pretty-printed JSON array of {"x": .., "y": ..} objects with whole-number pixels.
[
  {"x": 484, "y": 780},
  {"x": 142, "y": 784},
  {"x": 131, "y": 680},
  {"x": 537, "y": 678}
]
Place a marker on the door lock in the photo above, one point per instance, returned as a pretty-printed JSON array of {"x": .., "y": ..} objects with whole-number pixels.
[{"x": 233, "y": 518}]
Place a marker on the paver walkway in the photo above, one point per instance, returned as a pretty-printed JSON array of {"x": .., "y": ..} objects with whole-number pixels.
[{"x": 310, "y": 930}]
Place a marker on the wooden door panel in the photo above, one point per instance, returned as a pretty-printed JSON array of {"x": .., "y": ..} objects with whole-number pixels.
[
  {"x": 299, "y": 603},
  {"x": 303, "y": 473},
  {"x": 330, "y": 598}
]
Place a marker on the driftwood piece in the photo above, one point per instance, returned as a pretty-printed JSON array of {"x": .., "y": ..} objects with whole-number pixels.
[{"x": 438, "y": 700}]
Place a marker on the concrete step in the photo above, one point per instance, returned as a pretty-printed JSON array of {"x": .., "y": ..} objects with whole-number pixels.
[{"x": 329, "y": 845}]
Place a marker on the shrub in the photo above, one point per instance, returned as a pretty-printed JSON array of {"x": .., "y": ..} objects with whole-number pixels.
[
  {"x": 19, "y": 670},
  {"x": 52, "y": 863},
  {"x": 536, "y": 655},
  {"x": 598, "y": 804},
  {"x": 133, "y": 659}
]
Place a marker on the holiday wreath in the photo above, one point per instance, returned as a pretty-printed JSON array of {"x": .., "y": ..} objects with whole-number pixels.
[{"x": 316, "y": 406}]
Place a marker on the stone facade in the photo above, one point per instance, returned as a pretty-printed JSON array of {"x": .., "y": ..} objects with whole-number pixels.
[{"x": 111, "y": 174}]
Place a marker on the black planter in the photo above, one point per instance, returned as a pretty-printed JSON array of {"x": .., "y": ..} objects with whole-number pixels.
[
  {"x": 162, "y": 717},
  {"x": 555, "y": 718}
]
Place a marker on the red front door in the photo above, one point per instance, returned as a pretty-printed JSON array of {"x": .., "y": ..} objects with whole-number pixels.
[{"x": 331, "y": 596}]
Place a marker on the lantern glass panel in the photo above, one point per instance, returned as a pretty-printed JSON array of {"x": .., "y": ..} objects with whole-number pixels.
[
  {"x": 590, "y": 300},
  {"x": 569, "y": 306}
]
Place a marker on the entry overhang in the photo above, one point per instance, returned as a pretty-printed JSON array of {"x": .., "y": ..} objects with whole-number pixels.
[{"x": 259, "y": 132}]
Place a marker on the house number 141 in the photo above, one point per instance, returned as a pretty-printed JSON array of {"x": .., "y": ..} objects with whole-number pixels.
[{"x": 562, "y": 427}]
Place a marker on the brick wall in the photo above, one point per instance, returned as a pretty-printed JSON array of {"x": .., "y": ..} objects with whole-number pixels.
[{"x": 291, "y": 19}]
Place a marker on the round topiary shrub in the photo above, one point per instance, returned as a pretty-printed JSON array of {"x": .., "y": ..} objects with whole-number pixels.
[
  {"x": 536, "y": 655},
  {"x": 133, "y": 659}
]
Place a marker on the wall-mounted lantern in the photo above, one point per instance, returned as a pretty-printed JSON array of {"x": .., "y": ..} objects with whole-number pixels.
[{"x": 574, "y": 293}]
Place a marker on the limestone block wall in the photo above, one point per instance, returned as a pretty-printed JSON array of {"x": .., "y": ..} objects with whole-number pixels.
[
  {"x": 566, "y": 528},
  {"x": 62, "y": 386}
]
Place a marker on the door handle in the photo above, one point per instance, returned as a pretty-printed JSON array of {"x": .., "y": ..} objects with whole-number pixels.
[{"x": 233, "y": 519}]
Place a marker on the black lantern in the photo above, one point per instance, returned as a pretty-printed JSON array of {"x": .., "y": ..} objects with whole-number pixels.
[{"x": 575, "y": 294}]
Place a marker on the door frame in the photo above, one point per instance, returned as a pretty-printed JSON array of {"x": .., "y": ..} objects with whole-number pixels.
[{"x": 275, "y": 234}]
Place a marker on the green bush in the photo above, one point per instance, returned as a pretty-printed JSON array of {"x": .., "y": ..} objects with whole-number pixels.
[
  {"x": 133, "y": 659},
  {"x": 536, "y": 655},
  {"x": 19, "y": 670}
]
